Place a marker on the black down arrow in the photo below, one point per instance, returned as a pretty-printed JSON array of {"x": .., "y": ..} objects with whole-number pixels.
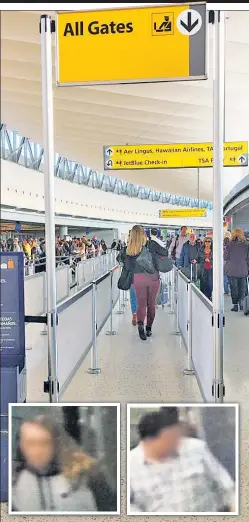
[{"x": 189, "y": 26}]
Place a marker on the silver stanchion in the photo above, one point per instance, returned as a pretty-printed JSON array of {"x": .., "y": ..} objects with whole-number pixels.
[
  {"x": 94, "y": 267},
  {"x": 46, "y": 29},
  {"x": 44, "y": 331},
  {"x": 119, "y": 311},
  {"x": 172, "y": 292},
  {"x": 177, "y": 303},
  {"x": 218, "y": 389},
  {"x": 126, "y": 297},
  {"x": 189, "y": 370},
  {"x": 94, "y": 370},
  {"x": 123, "y": 304},
  {"x": 111, "y": 331}
]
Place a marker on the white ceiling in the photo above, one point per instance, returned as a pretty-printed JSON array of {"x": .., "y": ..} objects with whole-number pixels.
[{"x": 87, "y": 118}]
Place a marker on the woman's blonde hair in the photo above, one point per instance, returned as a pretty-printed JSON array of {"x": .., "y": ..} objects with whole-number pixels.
[
  {"x": 238, "y": 233},
  {"x": 137, "y": 239}
]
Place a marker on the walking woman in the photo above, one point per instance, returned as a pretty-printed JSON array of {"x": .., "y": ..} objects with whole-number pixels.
[
  {"x": 205, "y": 260},
  {"x": 236, "y": 257},
  {"x": 140, "y": 261}
]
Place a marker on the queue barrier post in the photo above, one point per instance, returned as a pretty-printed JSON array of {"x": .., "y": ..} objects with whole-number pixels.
[
  {"x": 94, "y": 370},
  {"x": 119, "y": 311},
  {"x": 172, "y": 291},
  {"x": 176, "y": 295},
  {"x": 111, "y": 331},
  {"x": 123, "y": 299},
  {"x": 189, "y": 370}
]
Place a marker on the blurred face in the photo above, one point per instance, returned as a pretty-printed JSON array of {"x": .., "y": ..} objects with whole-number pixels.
[
  {"x": 36, "y": 445},
  {"x": 192, "y": 238},
  {"x": 168, "y": 440},
  {"x": 184, "y": 231},
  {"x": 208, "y": 242}
]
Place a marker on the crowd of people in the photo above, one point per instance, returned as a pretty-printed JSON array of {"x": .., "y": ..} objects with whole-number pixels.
[
  {"x": 140, "y": 257},
  {"x": 144, "y": 258},
  {"x": 67, "y": 251},
  {"x": 83, "y": 246}
]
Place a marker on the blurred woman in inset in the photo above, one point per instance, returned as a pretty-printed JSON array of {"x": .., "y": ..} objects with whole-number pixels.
[{"x": 54, "y": 474}]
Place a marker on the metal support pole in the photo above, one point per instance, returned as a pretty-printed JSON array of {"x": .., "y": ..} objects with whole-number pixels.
[
  {"x": 177, "y": 303},
  {"x": 218, "y": 297},
  {"x": 198, "y": 187},
  {"x": 172, "y": 291},
  {"x": 111, "y": 331},
  {"x": 46, "y": 29},
  {"x": 94, "y": 370},
  {"x": 94, "y": 268},
  {"x": 123, "y": 299},
  {"x": 189, "y": 370},
  {"x": 120, "y": 311}
]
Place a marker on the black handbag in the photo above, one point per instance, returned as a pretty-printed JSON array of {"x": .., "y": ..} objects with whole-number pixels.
[
  {"x": 146, "y": 261},
  {"x": 125, "y": 280},
  {"x": 163, "y": 263}
]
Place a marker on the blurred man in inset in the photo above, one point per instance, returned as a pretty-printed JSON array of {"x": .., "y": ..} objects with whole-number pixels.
[{"x": 172, "y": 473}]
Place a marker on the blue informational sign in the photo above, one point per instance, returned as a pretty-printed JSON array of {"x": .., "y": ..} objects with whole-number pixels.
[
  {"x": 12, "y": 349},
  {"x": 12, "y": 318}
]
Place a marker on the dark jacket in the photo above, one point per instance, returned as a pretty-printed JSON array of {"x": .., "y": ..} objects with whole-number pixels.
[
  {"x": 236, "y": 257},
  {"x": 201, "y": 260},
  {"x": 131, "y": 261},
  {"x": 188, "y": 254}
]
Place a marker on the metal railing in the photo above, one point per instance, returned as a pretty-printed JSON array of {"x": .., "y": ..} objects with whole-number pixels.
[
  {"x": 81, "y": 315},
  {"x": 23, "y": 151},
  {"x": 194, "y": 322},
  {"x": 71, "y": 277}
]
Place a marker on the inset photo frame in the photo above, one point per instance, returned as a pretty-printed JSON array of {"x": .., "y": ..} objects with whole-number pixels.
[
  {"x": 64, "y": 459},
  {"x": 182, "y": 459}
]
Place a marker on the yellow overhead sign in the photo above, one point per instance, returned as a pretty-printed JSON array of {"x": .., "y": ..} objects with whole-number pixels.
[
  {"x": 184, "y": 212},
  {"x": 179, "y": 155},
  {"x": 134, "y": 44}
]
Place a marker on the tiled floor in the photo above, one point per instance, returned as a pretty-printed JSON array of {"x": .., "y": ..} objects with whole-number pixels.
[{"x": 151, "y": 371}]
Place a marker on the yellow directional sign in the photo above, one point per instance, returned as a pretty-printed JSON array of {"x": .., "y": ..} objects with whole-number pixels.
[
  {"x": 179, "y": 155},
  {"x": 134, "y": 44},
  {"x": 184, "y": 212}
]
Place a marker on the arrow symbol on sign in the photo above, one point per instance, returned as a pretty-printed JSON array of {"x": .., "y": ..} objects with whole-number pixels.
[
  {"x": 189, "y": 26},
  {"x": 242, "y": 159},
  {"x": 109, "y": 152}
]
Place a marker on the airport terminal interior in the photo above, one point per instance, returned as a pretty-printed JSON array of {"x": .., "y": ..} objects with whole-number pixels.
[{"x": 125, "y": 153}]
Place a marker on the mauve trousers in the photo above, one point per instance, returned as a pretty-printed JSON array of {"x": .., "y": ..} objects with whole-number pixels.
[{"x": 146, "y": 288}]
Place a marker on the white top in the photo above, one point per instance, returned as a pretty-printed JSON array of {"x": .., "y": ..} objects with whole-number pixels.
[
  {"x": 157, "y": 240},
  {"x": 193, "y": 481}
]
